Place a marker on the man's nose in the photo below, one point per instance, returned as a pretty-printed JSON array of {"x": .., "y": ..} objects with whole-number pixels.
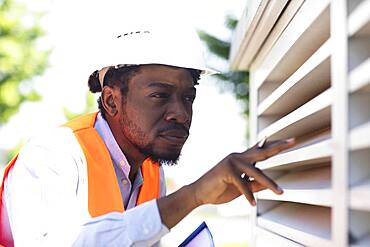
[{"x": 179, "y": 113}]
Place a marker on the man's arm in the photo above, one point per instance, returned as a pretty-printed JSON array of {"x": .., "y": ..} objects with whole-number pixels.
[
  {"x": 46, "y": 197},
  {"x": 223, "y": 183}
]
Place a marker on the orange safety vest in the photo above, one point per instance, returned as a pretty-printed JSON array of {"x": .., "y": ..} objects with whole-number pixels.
[{"x": 104, "y": 194}]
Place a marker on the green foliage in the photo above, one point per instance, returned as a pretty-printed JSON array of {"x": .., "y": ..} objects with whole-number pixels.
[
  {"x": 20, "y": 59},
  {"x": 238, "y": 80},
  {"x": 216, "y": 46},
  {"x": 231, "y": 22}
]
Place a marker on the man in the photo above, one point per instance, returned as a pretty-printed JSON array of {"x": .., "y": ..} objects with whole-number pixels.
[{"x": 98, "y": 180}]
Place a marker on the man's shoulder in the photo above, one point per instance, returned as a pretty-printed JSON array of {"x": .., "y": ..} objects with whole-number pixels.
[
  {"x": 53, "y": 150},
  {"x": 63, "y": 135},
  {"x": 59, "y": 139}
]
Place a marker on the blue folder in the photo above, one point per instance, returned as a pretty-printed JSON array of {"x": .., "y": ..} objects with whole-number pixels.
[{"x": 200, "y": 237}]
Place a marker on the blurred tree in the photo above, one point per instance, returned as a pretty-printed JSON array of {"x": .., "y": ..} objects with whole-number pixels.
[
  {"x": 238, "y": 80},
  {"x": 20, "y": 58}
]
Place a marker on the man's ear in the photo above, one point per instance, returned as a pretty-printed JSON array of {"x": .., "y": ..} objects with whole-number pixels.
[{"x": 109, "y": 100}]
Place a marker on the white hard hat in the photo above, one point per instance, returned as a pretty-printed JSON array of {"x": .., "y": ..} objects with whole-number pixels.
[{"x": 175, "y": 45}]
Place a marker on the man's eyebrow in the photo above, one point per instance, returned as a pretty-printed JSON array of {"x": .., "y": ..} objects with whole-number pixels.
[
  {"x": 165, "y": 85},
  {"x": 161, "y": 84}
]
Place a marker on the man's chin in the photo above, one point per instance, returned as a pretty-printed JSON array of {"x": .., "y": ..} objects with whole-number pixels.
[{"x": 168, "y": 156}]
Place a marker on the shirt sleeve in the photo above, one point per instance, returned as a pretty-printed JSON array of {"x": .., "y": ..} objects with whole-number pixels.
[
  {"x": 46, "y": 206},
  {"x": 109, "y": 228}
]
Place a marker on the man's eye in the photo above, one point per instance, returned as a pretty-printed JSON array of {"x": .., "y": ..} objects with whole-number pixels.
[
  {"x": 159, "y": 95},
  {"x": 190, "y": 98}
]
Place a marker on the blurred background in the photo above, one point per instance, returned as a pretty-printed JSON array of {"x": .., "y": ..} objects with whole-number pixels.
[{"x": 48, "y": 49}]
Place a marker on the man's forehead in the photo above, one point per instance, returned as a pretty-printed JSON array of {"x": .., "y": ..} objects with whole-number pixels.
[
  {"x": 164, "y": 76},
  {"x": 167, "y": 84}
]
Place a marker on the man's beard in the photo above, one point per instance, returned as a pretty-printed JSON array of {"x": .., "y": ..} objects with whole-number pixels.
[
  {"x": 137, "y": 137},
  {"x": 169, "y": 160}
]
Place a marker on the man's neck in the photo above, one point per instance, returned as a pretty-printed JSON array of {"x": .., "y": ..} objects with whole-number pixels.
[
  {"x": 133, "y": 155},
  {"x": 134, "y": 167}
]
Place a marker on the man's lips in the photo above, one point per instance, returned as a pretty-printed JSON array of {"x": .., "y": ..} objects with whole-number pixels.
[{"x": 175, "y": 137}]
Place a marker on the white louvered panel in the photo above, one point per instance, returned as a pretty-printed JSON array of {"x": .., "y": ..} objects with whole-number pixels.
[
  {"x": 359, "y": 122},
  {"x": 359, "y": 228},
  {"x": 306, "y": 224},
  {"x": 311, "y": 80},
  {"x": 359, "y": 193},
  {"x": 359, "y": 78},
  {"x": 271, "y": 12},
  {"x": 359, "y": 137},
  {"x": 360, "y": 196},
  {"x": 267, "y": 238},
  {"x": 359, "y": 34},
  {"x": 363, "y": 242},
  {"x": 308, "y": 81},
  {"x": 294, "y": 100},
  {"x": 359, "y": 20},
  {"x": 246, "y": 26},
  {"x": 311, "y": 116},
  {"x": 309, "y": 186},
  {"x": 283, "y": 21},
  {"x": 295, "y": 44},
  {"x": 312, "y": 154}
]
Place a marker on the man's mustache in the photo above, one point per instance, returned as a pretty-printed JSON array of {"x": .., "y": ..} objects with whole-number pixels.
[{"x": 174, "y": 126}]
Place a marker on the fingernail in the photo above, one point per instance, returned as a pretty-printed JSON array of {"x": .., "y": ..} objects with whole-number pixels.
[
  {"x": 280, "y": 190},
  {"x": 254, "y": 203},
  {"x": 290, "y": 140},
  {"x": 262, "y": 142}
]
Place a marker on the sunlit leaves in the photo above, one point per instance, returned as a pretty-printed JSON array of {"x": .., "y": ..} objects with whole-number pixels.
[
  {"x": 238, "y": 81},
  {"x": 20, "y": 59}
]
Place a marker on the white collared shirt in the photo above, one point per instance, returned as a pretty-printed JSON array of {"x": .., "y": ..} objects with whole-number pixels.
[{"x": 46, "y": 196}]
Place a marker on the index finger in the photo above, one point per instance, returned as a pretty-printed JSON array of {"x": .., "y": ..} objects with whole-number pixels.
[
  {"x": 258, "y": 176},
  {"x": 270, "y": 149}
]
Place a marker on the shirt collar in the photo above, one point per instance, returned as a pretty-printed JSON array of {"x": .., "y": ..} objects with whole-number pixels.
[{"x": 118, "y": 158}]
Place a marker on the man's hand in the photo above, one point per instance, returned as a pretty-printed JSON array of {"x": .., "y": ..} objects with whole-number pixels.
[{"x": 224, "y": 183}]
